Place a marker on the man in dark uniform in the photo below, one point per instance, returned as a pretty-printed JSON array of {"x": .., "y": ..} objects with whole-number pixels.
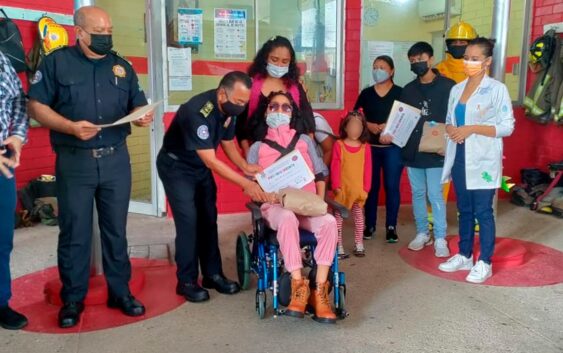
[
  {"x": 74, "y": 89},
  {"x": 185, "y": 165}
]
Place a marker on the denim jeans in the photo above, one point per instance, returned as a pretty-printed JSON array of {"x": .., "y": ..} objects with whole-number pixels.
[
  {"x": 389, "y": 160},
  {"x": 7, "y": 213},
  {"x": 425, "y": 182},
  {"x": 473, "y": 204}
]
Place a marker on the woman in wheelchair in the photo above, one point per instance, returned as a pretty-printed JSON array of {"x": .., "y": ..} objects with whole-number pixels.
[{"x": 276, "y": 134}]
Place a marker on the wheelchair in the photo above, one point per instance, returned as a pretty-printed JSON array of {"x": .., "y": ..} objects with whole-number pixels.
[{"x": 258, "y": 254}]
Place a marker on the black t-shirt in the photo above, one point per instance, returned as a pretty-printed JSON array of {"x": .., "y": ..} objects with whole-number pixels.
[
  {"x": 432, "y": 99},
  {"x": 376, "y": 108},
  {"x": 198, "y": 125},
  {"x": 100, "y": 91}
]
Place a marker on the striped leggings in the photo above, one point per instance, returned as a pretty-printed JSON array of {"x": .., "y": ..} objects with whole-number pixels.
[{"x": 359, "y": 224}]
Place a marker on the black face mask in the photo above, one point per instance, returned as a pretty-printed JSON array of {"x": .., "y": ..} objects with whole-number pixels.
[
  {"x": 420, "y": 68},
  {"x": 100, "y": 44},
  {"x": 457, "y": 51},
  {"x": 232, "y": 109}
]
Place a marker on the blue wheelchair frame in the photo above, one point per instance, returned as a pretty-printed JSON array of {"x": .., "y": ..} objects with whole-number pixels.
[{"x": 265, "y": 262}]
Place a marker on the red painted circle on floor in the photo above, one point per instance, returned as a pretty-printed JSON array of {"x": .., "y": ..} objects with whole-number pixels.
[
  {"x": 516, "y": 263},
  {"x": 158, "y": 294}
]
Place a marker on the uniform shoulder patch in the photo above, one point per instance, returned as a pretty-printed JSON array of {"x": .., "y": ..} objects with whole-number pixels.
[
  {"x": 203, "y": 132},
  {"x": 207, "y": 109}
]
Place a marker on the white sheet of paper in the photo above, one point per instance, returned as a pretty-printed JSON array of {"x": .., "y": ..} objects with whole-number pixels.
[
  {"x": 401, "y": 123},
  {"x": 179, "y": 61},
  {"x": 289, "y": 171},
  {"x": 136, "y": 115},
  {"x": 180, "y": 83}
]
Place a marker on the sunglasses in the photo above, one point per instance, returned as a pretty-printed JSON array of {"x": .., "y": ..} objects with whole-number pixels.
[{"x": 274, "y": 107}]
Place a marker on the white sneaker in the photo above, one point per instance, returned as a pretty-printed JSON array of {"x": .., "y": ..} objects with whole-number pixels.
[
  {"x": 480, "y": 272},
  {"x": 420, "y": 241},
  {"x": 441, "y": 248},
  {"x": 457, "y": 263}
]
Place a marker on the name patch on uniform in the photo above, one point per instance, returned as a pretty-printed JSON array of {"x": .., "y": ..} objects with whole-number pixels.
[
  {"x": 207, "y": 109},
  {"x": 37, "y": 77},
  {"x": 119, "y": 71},
  {"x": 203, "y": 132},
  {"x": 227, "y": 122}
]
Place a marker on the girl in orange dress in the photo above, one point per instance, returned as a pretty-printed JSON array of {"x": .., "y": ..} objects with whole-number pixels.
[{"x": 350, "y": 172}]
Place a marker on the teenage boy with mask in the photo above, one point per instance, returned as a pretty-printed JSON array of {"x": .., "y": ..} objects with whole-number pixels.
[{"x": 428, "y": 92}]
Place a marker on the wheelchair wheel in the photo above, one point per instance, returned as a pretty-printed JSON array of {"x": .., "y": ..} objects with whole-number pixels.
[
  {"x": 243, "y": 261},
  {"x": 261, "y": 304},
  {"x": 284, "y": 294}
]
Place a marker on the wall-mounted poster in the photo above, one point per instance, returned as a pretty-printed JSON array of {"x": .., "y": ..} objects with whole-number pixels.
[
  {"x": 190, "y": 26},
  {"x": 230, "y": 33}
]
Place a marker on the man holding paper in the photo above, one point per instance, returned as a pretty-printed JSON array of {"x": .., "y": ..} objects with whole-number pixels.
[{"x": 76, "y": 89}]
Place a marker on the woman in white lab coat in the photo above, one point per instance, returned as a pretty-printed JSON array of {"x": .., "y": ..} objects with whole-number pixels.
[{"x": 479, "y": 116}]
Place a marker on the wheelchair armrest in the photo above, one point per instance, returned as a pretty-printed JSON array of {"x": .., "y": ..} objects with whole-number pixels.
[
  {"x": 254, "y": 208},
  {"x": 344, "y": 212}
]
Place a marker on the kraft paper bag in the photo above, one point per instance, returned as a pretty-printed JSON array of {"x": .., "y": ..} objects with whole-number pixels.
[
  {"x": 433, "y": 138},
  {"x": 302, "y": 202}
]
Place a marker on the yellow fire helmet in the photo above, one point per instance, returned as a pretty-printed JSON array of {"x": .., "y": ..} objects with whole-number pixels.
[
  {"x": 461, "y": 31},
  {"x": 53, "y": 35}
]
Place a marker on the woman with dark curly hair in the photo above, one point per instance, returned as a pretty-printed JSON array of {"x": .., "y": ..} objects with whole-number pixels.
[
  {"x": 274, "y": 69},
  {"x": 279, "y": 134}
]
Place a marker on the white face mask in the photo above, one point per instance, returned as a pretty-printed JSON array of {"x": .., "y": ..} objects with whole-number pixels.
[
  {"x": 277, "y": 119},
  {"x": 277, "y": 71}
]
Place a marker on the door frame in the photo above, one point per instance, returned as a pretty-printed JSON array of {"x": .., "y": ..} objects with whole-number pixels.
[{"x": 154, "y": 10}]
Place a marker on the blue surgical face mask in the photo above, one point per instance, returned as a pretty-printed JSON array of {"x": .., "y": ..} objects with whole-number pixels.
[
  {"x": 277, "y": 71},
  {"x": 277, "y": 119},
  {"x": 380, "y": 75}
]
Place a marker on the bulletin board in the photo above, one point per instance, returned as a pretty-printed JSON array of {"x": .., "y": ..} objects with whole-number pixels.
[{"x": 396, "y": 50}]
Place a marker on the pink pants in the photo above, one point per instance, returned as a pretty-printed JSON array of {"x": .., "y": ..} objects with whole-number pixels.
[{"x": 287, "y": 225}]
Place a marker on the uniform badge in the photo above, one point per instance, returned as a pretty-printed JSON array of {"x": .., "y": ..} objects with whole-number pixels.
[
  {"x": 203, "y": 132},
  {"x": 227, "y": 122},
  {"x": 207, "y": 109},
  {"x": 119, "y": 71},
  {"x": 37, "y": 77}
]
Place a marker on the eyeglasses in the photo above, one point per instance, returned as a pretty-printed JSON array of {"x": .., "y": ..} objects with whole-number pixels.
[
  {"x": 274, "y": 107},
  {"x": 355, "y": 113}
]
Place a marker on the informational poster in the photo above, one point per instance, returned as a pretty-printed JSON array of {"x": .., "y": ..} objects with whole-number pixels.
[
  {"x": 230, "y": 33},
  {"x": 190, "y": 26},
  {"x": 396, "y": 50},
  {"x": 377, "y": 48},
  {"x": 179, "y": 69}
]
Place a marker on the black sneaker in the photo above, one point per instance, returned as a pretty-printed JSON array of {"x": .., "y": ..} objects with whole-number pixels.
[
  {"x": 368, "y": 233},
  {"x": 12, "y": 320},
  {"x": 392, "y": 236}
]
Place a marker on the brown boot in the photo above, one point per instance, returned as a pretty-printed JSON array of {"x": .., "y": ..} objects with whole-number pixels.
[
  {"x": 320, "y": 302},
  {"x": 299, "y": 296}
]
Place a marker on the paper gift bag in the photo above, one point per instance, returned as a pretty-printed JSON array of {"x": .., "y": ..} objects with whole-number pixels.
[
  {"x": 433, "y": 138},
  {"x": 302, "y": 202}
]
